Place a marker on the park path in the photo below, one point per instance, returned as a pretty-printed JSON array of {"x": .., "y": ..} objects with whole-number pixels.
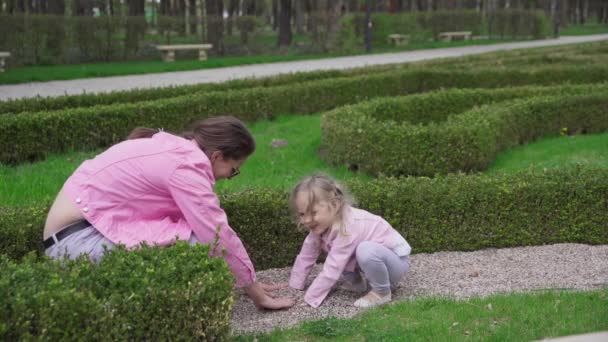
[
  {"x": 115, "y": 83},
  {"x": 458, "y": 275}
]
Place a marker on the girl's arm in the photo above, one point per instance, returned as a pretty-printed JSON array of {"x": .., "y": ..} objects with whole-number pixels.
[
  {"x": 339, "y": 255},
  {"x": 311, "y": 248}
]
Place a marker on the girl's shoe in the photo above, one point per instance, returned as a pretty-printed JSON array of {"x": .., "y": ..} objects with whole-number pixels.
[
  {"x": 372, "y": 299},
  {"x": 358, "y": 286}
]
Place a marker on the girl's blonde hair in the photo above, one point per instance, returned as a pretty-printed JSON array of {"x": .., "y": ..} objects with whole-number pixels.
[{"x": 320, "y": 187}]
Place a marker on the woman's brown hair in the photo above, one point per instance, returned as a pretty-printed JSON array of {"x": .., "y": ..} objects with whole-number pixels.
[{"x": 226, "y": 134}]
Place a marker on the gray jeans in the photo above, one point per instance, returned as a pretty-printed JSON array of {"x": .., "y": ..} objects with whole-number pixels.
[
  {"x": 382, "y": 268},
  {"x": 87, "y": 241}
]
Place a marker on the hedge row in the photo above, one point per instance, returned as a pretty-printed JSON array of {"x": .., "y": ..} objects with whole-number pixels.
[
  {"x": 422, "y": 26},
  {"x": 424, "y": 135},
  {"x": 151, "y": 294},
  {"x": 39, "y": 104},
  {"x": 29, "y": 136},
  {"x": 453, "y": 212},
  {"x": 594, "y": 53}
]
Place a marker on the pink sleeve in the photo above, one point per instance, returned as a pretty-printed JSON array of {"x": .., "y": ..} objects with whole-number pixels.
[
  {"x": 339, "y": 255},
  {"x": 309, "y": 254},
  {"x": 192, "y": 192}
]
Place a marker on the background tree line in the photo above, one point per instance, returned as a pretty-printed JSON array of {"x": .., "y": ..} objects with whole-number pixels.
[{"x": 217, "y": 21}]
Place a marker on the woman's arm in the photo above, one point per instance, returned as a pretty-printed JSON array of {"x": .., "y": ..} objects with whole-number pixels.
[{"x": 262, "y": 296}]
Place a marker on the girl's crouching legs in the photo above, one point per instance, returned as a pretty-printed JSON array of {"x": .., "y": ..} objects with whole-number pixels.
[{"x": 383, "y": 270}]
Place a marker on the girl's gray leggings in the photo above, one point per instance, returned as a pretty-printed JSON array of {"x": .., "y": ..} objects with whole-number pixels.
[{"x": 381, "y": 266}]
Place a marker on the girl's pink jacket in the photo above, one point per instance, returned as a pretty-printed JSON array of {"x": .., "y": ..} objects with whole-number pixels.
[
  {"x": 360, "y": 226},
  {"x": 156, "y": 190}
]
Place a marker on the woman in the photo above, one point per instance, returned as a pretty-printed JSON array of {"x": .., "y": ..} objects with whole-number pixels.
[{"x": 157, "y": 187}]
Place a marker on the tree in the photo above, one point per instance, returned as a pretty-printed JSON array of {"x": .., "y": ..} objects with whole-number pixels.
[
  {"x": 285, "y": 35},
  {"x": 215, "y": 24}
]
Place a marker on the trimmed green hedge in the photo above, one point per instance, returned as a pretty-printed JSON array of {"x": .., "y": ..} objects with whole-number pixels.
[
  {"x": 39, "y": 104},
  {"x": 429, "y": 134},
  {"x": 424, "y": 26},
  {"x": 29, "y": 136},
  {"x": 454, "y": 212},
  {"x": 176, "y": 293}
]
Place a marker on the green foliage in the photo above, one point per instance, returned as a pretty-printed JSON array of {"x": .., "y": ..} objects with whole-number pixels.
[
  {"x": 29, "y": 136},
  {"x": 247, "y": 24},
  {"x": 424, "y": 26},
  {"x": 454, "y": 212},
  {"x": 447, "y": 131},
  {"x": 504, "y": 317},
  {"x": 517, "y": 23},
  {"x": 174, "y": 293}
]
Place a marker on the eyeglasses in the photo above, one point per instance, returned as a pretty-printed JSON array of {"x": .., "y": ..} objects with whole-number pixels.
[{"x": 235, "y": 172}]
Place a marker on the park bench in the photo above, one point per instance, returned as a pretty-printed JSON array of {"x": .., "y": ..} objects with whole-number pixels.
[
  {"x": 168, "y": 51},
  {"x": 398, "y": 39},
  {"x": 3, "y": 56},
  {"x": 449, "y": 36}
]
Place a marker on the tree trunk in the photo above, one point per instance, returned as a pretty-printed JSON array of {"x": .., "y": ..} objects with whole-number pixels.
[
  {"x": 187, "y": 16},
  {"x": 553, "y": 10},
  {"x": 233, "y": 12},
  {"x": 199, "y": 19},
  {"x": 55, "y": 7},
  {"x": 299, "y": 14},
  {"x": 414, "y": 5},
  {"x": 585, "y": 12},
  {"x": 284, "y": 23},
  {"x": 215, "y": 24},
  {"x": 275, "y": 15},
  {"x": 310, "y": 8},
  {"x": 249, "y": 7}
]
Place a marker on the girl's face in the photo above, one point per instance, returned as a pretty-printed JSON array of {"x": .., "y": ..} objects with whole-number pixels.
[{"x": 316, "y": 217}]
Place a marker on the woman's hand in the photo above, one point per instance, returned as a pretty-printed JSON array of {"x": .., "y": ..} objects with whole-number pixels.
[{"x": 262, "y": 296}]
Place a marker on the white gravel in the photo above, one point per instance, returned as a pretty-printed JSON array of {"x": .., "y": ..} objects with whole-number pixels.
[{"x": 449, "y": 274}]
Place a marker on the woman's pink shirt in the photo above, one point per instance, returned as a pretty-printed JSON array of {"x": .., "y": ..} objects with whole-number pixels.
[
  {"x": 156, "y": 190},
  {"x": 360, "y": 226}
]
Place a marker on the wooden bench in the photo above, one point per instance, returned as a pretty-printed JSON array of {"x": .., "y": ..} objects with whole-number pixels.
[
  {"x": 168, "y": 51},
  {"x": 449, "y": 36},
  {"x": 398, "y": 39},
  {"x": 3, "y": 56}
]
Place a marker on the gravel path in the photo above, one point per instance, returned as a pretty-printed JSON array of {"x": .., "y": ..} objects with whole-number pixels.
[
  {"x": 450, "y": 274},
  {"x": 107, "y": 84}
]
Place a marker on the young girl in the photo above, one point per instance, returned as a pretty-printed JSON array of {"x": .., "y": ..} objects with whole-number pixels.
[{"x": 353, "y": 239}]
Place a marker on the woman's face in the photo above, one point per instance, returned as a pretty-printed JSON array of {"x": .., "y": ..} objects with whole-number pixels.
[{"x": 225, "y": 168}]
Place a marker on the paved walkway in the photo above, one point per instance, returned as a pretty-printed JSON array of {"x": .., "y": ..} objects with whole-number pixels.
[{"x": 107, "y": 84}]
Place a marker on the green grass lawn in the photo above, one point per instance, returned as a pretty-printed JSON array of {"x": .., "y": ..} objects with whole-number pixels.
[
  {"x": 283, "y": 167},
  {"x": 555, "y": 152},
  {"x": 77, "y": 71},
  {"x": 583, "y": 30},
  {"x": 514, "y": 317},
  {"x": 268, "y": 167}
]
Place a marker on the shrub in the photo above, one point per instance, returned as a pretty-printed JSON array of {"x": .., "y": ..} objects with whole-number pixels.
[
  {"x": 174, "y": 293},
  {"x": 428, "y": 134},
  {"x": 29, "y": 136},
  {"x": 453, "y": 212}
]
